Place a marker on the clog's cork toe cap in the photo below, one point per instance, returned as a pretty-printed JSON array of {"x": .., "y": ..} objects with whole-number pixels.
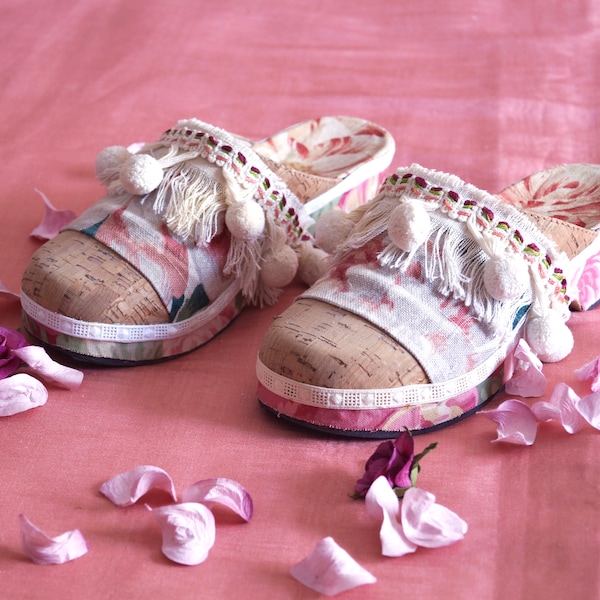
[
  {"x": 77, "y": 276},
  {"x": 316, "y": 343}
]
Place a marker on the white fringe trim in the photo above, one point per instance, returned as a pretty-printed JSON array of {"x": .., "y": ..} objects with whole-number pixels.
[{"x": 460, "y": 241}]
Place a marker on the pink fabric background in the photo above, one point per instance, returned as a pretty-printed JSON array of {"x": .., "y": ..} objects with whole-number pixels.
[{"x": 491, "y": 91}]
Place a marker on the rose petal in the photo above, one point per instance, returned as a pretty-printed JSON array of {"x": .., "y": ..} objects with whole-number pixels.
[
  {"x": 382, "y": 503},
  {"x": 394, "y": 459},
  {"x": 516, "y": 422},
  {"x": 428, "y": 524},
  {"x": 44, "y": 550},
  {"x": 127, "y": 488},
  {"x": 590, "y": 370},
  {"x": 6, "y": 291},
  {"x": 589, "y": 408},
  {"x": 54, "y": 220},
  {"x": 9, "y": 341},
  {"x": 188, "y": 532},
  {"x": 561, "y": 407},
  {"x": 221, "y": 490},
  {"x": 38, "y": 359},
  {"x": 19, "y": 393},
  {"x": 330, "y": 570},
  {"x": 523, "y": 372},
  {"x": 545, "y": 411}
]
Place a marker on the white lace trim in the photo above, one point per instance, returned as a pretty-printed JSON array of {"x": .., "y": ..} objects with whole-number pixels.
[
  {"x": 109, "y": 332},
  {"x": 369, "y": 399}
]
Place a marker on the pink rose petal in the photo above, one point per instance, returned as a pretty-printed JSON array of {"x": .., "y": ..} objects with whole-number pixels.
[
  {"x": 428, "y": 524},
  {"x": 127, "y": 488},
  {"x": 221, "y": 490},
  {"x": 188, "y": 532},
  {"x": 561, "y": 407},
  {"x": 330, "y": 570},
  {"x": 44, "y": 550},
  {"x": 19, "y": 393},
  {"x": 54, "y": 220},
  {"x": 516, "y": 422},
  {"x": 590, "y": 370},
  {"x": 37, "y": 358},
  {"x": 5, "y": 291},
  {"x": 382, "y": 503},
  {"x": 523, "y": 372},
  {"x": 10, "y": 340},
  {"x": 589, "y": 408}
]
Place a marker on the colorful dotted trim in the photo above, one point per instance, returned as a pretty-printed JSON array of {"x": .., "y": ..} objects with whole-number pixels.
[{"x": 269, "y": 196}]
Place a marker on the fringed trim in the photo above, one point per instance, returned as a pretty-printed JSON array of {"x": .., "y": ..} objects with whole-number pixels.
[
  {"x": 469, "y": 228},
  {"x": 231, "y": 186},
  {"x": 191, "y": 203}
]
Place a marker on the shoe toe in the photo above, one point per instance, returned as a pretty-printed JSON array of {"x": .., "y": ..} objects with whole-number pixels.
[
  {"x": 316, "y": 343},
  {"x": 79, "y": 277}
]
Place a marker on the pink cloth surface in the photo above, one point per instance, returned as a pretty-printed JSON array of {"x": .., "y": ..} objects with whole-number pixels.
[{"x": 490, "y": 91}]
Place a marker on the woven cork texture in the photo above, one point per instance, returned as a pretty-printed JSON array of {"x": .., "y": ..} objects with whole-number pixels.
[{"x": 77, "y": 276}]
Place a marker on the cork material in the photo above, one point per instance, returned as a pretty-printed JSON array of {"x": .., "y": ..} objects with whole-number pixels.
[
  {"x": 77, "y": 276},
  {"x": 305, "y": 186},
  {"x": 316, "y": 344},
  {"x": 569, "y": 238}
]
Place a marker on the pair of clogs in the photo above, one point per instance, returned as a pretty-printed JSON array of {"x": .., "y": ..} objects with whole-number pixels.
[{"x": 418, "y": 291}]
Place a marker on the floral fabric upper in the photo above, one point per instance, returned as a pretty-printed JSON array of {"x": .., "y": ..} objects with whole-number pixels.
[{"x": 451, "y": 327}]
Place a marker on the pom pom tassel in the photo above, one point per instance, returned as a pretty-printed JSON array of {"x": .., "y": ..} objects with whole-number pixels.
[
  {"x": 409, "y": 225},
  {"x": 313, "y": 263},
  {"x": 109, "y": 162},
  {"x": 140, "y": 174},
  {"x": 546, "y": 331},
  {"x": 549, "y": 337},
  {"x": 332, "y": 229},
  {"x": 505, "y": 275}
]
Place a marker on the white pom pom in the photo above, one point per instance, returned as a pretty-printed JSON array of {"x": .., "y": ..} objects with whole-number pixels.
[
  {"x": 313, "y": 263},
  {"x": 409, "y": 226},
  {"x": 549, "y": 337},
  {"x": 332, "y": 228},
  {"x": 505, "y": 276},
  {"x": 109, "y": 162},
  {"x": 140, "y": 174},
  {"x": 279, "y": 267},
  {"x": 245, "y": 220}
]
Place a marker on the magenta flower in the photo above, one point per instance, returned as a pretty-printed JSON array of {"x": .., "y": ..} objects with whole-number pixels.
[
  {"x": 10, "y": 340},
  {"x": 396, "y": 461}
]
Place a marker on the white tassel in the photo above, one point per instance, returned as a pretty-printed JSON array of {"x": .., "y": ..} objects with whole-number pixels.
[
  {"x": 245, "y": 220},
  {"x": 546, "y": 330},
  {"x": 140, "y": 174},
  {"x": 549, "y": 337},
  {"x": 313, "y": 263},
  {"x": 279, "y": 267},
  {"x": 332, "y": 230},
  {"x": 109, "y": 162},
  {"x": 505, "y": 276},
  {"x": 192, "y": 203},
  {"x": 409, "y": 225}
]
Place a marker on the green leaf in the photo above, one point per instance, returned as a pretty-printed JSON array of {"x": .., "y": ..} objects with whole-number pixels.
[
  {"x": 424, "y": 453},
  {"x": 415, "y": 468}
]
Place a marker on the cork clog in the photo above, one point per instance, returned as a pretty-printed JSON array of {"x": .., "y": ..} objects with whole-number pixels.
[
  {"x": 422, "y": 304},
  {"x": 193, "y": 227}
]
